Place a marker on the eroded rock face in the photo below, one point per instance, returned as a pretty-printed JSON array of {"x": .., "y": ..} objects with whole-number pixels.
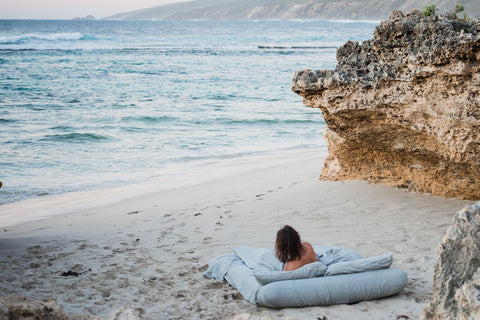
[
  {"x": 404, "y": 107},
  {"x": 18, "y": 307},
  {"x": 456, "y": 288}
]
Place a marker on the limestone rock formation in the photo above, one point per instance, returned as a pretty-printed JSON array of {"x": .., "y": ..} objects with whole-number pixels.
[
  {"x": 456, "y": 288},
  {"x": 18, "y": 307},
  {"x": 404, "y": 107}
]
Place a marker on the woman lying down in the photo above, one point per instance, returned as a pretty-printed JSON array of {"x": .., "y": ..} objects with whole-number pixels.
[
  {"x": 291, "y": 251},
  {"x": 297, "y": 274}
]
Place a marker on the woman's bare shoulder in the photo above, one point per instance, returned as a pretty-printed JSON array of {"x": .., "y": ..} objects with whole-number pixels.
[
  {"x": 307, "y": 245},
  {"x": 309, "y": 251}
]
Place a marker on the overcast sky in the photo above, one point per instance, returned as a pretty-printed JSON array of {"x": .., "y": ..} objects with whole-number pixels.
[{"x": 67, "y": 9}]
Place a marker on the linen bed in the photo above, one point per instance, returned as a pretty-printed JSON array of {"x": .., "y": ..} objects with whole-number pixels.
[{"x": 339, "y": 276}]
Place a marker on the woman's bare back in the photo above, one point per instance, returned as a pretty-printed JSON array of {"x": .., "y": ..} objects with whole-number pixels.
[{"x": 308, "y": 257}]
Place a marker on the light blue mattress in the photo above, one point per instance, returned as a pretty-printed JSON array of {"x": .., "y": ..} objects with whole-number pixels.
[{"x": 340, "y": 276}]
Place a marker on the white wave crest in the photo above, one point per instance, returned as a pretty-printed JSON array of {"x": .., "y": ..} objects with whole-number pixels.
[{"x": 35, "y": 38}]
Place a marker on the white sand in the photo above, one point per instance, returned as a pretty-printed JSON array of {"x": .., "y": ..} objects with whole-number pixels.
[{"x": 146, "y": 246}]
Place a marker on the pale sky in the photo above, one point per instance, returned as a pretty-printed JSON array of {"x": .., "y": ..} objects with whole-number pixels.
[{"x": 67, "y": 9}]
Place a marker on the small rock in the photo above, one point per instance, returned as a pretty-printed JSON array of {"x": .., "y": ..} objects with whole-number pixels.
[{"x": 125, "y": 313}]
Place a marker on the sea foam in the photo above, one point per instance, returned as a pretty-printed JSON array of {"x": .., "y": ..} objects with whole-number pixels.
[{"x": 26, "y": 38}]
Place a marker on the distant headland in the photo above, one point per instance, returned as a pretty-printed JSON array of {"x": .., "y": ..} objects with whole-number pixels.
[
  {"x": 288, "y": 9},
  {"x": 89, "y": 17}
]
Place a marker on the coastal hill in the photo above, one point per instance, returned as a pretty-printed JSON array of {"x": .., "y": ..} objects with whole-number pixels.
[{"x": 289, "y": 9}]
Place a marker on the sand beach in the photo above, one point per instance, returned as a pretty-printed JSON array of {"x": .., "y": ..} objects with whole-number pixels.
[{"x": 146, "y": 246}]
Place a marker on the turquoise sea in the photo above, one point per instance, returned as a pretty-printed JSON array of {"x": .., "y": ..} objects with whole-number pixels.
[{"x": 94, "y": 104}]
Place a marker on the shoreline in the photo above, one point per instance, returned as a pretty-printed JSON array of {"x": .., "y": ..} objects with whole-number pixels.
[
  {"x": 149, "y": 250},
  {"x": 63, "y": 203}
]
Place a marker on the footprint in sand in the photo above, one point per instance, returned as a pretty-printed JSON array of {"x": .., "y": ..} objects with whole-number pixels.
[
  {"x": 36, "y": 250},
  {"x": 197, "y": 230},
  {"x": 203, "y": 268},
  {"x": 215, "y": 285},
  {"x": 43, "y": 228},
  {"x": 228, "y": 213},
  {"x": 422, "y": 299},
  {"x": 233, "y": 296}
]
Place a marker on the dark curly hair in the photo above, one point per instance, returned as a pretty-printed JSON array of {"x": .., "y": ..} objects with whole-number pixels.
[{"x": 288, "y": 246}]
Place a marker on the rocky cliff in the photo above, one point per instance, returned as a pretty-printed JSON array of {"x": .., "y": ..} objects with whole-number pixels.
[
  {"x": 404, "y": 107},
  {"x": 456, "y": 287}
]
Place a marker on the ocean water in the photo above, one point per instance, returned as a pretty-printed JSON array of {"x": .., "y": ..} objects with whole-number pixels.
[{"x": 93, "y": 104}]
